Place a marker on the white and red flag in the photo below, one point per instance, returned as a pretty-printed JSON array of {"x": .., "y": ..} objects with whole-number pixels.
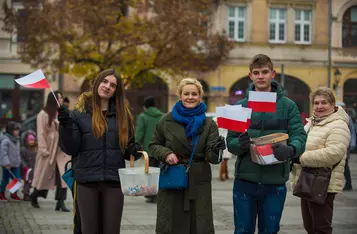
[
  {"x": 232, "y": 118},
  {"x": 14, "y": 185},
  {"x": 36, "y": 80},
  {"x": 266, "y": 154},
  {"x": 262, "y": 101}
]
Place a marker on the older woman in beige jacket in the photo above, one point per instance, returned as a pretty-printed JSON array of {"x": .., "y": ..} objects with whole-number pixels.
[{"x": 327, "y": 142}]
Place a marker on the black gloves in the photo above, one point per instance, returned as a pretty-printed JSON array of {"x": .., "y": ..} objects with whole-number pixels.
[
  {"x": 245, "y": 141},
  {"x": 283, "y": 152},
  {"x": 133, "y": 148},
  {"x": 63, "y": 116},
  {"x": 220, "y": 145}
]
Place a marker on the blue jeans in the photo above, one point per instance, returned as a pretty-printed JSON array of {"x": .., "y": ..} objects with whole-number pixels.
[
  {"x": 6, "y": 176},
  {"x": 250, "y": 200}
]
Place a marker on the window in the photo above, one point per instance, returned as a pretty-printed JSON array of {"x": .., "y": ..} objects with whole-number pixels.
[
  {"x": 277, "y": 25},
  {"x": 236, "y": 23},
  {"x": 349, "y": 28},
  {"x": 303, "y": 26}
]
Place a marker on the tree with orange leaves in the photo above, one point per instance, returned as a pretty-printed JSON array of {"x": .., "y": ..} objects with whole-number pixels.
[{"x": 137, "y": 37}]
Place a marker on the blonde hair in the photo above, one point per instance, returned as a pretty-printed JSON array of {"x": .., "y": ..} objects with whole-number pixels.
[
  {"x": 189, "y": 81},
  {"x": 325, "y": 92}
]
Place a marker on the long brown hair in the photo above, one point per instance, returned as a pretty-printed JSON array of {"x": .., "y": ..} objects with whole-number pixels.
[
  {"x": 51, "y": 106},
  {"x": 123, "y": 115}
]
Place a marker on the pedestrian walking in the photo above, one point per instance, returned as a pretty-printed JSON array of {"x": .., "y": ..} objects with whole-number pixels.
[
  {"x": 99, "y": 135},
  {"x": 28, "y": 152},
  {"x": 259, "y": 190},
  {"x": 326, "y": 147},
  {"x": 10, "y": 159},
  {"x": 50, "y": 159},
  {"x": 145, "y": 128},
  {"x": 182, "y": 134}
]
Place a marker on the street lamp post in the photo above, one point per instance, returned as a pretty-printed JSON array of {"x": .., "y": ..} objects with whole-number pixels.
[{"x": 337, "y": 76}]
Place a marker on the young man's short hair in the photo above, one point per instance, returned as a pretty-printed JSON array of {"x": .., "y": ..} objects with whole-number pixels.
[
  {"x": 149, "y": 102},
  {"x": 259, "y": 61}
]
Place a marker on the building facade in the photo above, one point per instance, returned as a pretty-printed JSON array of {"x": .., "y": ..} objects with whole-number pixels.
[
  {"x": 294, "y": 33},
  {"x": 344, "y": 52}
]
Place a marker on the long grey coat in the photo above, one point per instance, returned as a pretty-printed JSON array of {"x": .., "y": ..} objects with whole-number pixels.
[
  {"x": 49, "y": 155},
  {"x": 187, "y": 211}
]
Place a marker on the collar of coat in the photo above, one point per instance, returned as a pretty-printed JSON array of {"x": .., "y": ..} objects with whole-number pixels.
[
  {"x": 340, "y": 114},
  {"x": 275, "y": 87},
  {"x": 84, "y": 104}
]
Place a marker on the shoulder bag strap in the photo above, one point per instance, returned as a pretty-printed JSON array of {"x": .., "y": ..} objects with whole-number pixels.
[{"x": 192, "y": 153}]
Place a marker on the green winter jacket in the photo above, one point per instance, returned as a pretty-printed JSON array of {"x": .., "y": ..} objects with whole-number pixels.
[
  {"x": 145, "y": 126},
  {"x": 286, "y": 120}
]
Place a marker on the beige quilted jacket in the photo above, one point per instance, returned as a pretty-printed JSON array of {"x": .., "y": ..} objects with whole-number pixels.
[{"x": 326, "y": 145}]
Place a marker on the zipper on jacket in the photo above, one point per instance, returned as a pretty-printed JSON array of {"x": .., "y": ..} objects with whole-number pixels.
[
  {"x": 104, "y": 155},
  {"x": 261, "y": 134}
]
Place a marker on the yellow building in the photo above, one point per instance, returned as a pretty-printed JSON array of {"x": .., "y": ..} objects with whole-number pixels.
[
  {"x": 294, "y": 33},
  {"x": 344, "y": 51}
]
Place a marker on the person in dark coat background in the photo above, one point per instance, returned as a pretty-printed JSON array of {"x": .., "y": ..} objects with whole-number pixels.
[{"x": 99, "y": 134}]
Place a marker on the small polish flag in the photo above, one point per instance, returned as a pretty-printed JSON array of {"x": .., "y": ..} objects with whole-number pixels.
[
  {"x": 262, "y": 101},
  {"x": 266, "y": 153},
  {"x": 233, "y": 119},
  {"x": 36, "y": 80},
  {"x": 14, "y": 185}
]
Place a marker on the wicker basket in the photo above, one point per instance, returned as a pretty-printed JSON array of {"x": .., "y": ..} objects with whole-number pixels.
[{"x": 261, "y": 151}]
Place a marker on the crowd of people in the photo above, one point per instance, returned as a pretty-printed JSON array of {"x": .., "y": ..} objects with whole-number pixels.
[{"x": 98, "y": 135}]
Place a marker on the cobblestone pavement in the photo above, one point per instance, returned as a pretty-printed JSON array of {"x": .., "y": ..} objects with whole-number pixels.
[{"x": 139, "y": 217}]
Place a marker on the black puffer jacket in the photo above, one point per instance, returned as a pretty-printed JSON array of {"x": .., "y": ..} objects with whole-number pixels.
[{"x": 94, "y": 159}]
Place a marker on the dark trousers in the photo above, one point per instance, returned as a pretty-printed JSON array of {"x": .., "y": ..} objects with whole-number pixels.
[
  {"x": 61, "y": 193},
  {"x": 77, "y": 227},
  {"x": 101, "y": 208},
  {"x": 318, "y": 218},
  {"x": 251, "y": 200},
  {"x": 348, "y": 175}
]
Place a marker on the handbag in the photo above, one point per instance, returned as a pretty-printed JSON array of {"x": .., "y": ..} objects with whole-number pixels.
[
  {"x": 68, "y": 176},
  {"x": 313, "y": 183},
  {"x": 175, "y": 177}
]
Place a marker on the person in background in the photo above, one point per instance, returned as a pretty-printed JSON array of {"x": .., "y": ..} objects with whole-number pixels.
[
  {"x": 66, "y": 102},
  {"x": 326, "y": 147},
  {"x": 145, "y": 128},
  {"x": 347, "y": 172},
  {"x": 28, "y": 152},
  {"x": 10, "y": 159},
  {"x": 99, "y": 135},
  {"x": 303, "y": 115},
  {"x": 177, "y": 134},
  {"x": 50, "y": 159}
]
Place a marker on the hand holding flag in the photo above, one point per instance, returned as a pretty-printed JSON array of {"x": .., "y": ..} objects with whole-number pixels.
[{"x": 14, "y": 185}]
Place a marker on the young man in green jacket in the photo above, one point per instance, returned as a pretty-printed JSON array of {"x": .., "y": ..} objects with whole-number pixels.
[
  {"x": 260, "y": 189},
  {"x": 145, "y": 129}
]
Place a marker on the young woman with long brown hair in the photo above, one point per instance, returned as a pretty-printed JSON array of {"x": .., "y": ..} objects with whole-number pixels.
[{"x": 99, "y": 135}]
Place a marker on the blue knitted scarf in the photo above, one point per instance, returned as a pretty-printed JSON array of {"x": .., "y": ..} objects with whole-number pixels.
[{"x": 191, "y": 118}]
